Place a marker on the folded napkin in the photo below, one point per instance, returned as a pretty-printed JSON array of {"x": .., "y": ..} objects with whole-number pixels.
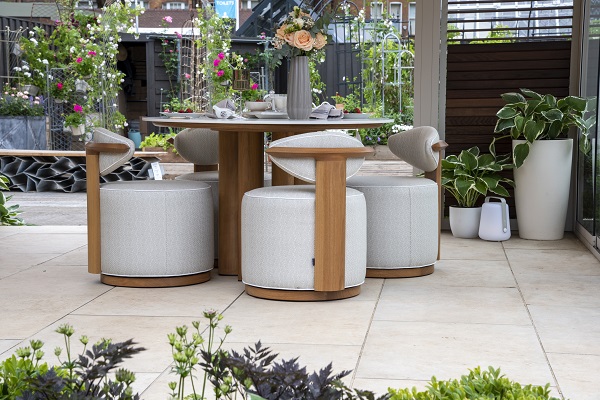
[
  {"x": 223, "y": 109},
  {"x": 326, "y": 111}
]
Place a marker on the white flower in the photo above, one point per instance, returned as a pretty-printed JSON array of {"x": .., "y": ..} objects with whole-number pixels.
[
  {"x": 34, "y": 41},
  {"x": 45, "y": 62},
  {"x": 18, "y": 69},
  {"x": 27, "y": 74},
  {"x": 125, "y": 124}
]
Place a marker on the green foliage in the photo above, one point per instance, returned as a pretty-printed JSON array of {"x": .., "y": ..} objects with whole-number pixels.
[
  {"x": 470, "y": 175},
  {"x": 159, "y": 140},
  {"x": 14, "y": 102},
  {"x": 477, "y": 384},
  {"x": 316, "y": 83},
  {"x": 532, "y": 116},
  {"x": 9, "y": 215},
  {"x": 85, "y": 377},
  {"x": 496, "y": 35}
]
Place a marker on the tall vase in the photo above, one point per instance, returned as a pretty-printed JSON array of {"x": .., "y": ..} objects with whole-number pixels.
[
  {"x": 299, "y": 96},
  {"x": 542, "y": 186}
]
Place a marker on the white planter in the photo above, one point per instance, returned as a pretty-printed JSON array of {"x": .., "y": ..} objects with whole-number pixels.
[
  {"x": 542, "y": 189},
  {"x": 464, "y": 221},
  {"x": 78, "y": 130}
]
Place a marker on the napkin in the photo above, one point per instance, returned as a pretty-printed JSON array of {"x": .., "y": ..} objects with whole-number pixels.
[
  {"x": 326, "y": 111},
  {"x": 223, "y": 109}
]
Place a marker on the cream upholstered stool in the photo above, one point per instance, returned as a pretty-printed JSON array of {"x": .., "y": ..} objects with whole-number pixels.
[
  {"x": 200, "y": 146},
  {"x": 307, "y": 242},
  {"x": 145, "y": 233},
  {"x": 403, "y": 213}
]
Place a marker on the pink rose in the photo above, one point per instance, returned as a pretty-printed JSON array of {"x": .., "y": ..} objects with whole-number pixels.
[
  {"x": 168, "y": 19},
  {"x": 59, "y": 85},
  {"x": 77, "y": 108},
  {"x": 220, "y": 73},
  {"x": 221, "y": 56},
  {"x": 179, "y": 36},
  {"x": 79, "y": 60},
  {"x": 254, "y": 86},
  {"x": 303, "y": 40},
  {"x": 187, "y": 76},
  {"x": 320, "y": 41},
  {"x": 216, "y": 62},
  {"x": 91, "y": 53}
]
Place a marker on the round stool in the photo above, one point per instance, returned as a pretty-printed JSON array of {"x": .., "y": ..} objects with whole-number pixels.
[
  {"x": 402, "y": 225},
  {"x": 278, "y": 243},
  {"x": 212, "y": 179},
  {"x": 156, "y": 233}
]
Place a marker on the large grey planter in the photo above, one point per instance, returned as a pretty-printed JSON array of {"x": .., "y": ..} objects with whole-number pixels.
[{"x": 27, "y": 133}]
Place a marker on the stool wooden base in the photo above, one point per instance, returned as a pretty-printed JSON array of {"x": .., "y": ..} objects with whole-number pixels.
[
  {"x": 399, "y": 272},
  {"x": 155, "y": 282},
  {"x": 301, "y": 295}
]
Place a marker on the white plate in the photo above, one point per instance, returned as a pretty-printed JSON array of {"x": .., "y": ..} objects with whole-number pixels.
[
  {"x": 271, "y": 115},
  {"x": 180, "y": 115},
  {"x": 357, "y": 115}
]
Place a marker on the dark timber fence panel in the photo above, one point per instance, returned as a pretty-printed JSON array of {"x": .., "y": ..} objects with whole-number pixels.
[{"x": 477, "y": 74}]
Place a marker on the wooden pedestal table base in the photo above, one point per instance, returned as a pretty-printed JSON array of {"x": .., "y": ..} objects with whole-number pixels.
[
  {"x": 155, "y": 282},
  {"x": 400, "y": 272}
]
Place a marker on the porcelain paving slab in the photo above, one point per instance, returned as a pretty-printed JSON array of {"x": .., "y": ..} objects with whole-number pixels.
[
  {"x": 332, "y": 322},
  {"x": 401, "y": 302},
  {"x": 7, "y": 345},
  {"x": 191, "y": 301},
  {"x": 74, "y": 257},
  {"x": 466, "y": 273},
  {"x": 470, "y": 249},
  {"x": 43, "y": 242},
  {"x": 580, "y": 262},
  {"x": 577, "y": 375},
  {"x": 568, "y": 329},
  {"x": 418, "y": 350},
  {"x": 380, "y": 386},
  {"x": 13, "y": 261},
  {"x": 559, "y": 289},
  {"x": 34, "y": 298},
  {"x": 568, "y": 242}
]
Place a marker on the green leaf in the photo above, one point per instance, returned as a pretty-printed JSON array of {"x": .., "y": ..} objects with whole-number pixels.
[
  {"x": 553, "y": 115},
  {"x": 513, "y": 97},
  {"x": 490, "y": 181},
  {"x": 469, "y": 159},
  {"x": 481, "y": 187},
  {"x": 463, "y": 184},
  {"x": 576, "y": 103},
  {"x": 533, "y": 130},
  {"x": 550, "y": 100},
  {"x": 500, "y": 190},
  {"x": 520, "y": 153},
  {"x": 506, "y": 112},
  {"x": 486, "y": 160},
  {"x": 584, "y": 144},
  {"x": 555, "y": 129},
  {"x": 531, "y": 94},
  {"x": 503, "y": 124}
]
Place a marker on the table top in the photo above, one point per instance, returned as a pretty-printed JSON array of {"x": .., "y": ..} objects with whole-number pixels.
[{"x": 267, "y": 125}]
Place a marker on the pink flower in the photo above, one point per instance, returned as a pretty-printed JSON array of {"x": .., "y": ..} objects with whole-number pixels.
[
  {"x": 170, "y": 51},
  {"x": 59, "y": 86},
  {"x": 91, "y": 53},
  {"x": 221, "y": 56},
  {"x": 78, "y": 108},
  {"x": 220, "y": 73},
  {"x": 254, "y": 86},
  {"x": 245, "y": 60},
  {"x": 79, "y": 60},
  {"x": 168, "y": 19},
  {"x": 179, "y": 36},
  {"x": 187, "y": 76},
  {"x": 216, "y": 62}
]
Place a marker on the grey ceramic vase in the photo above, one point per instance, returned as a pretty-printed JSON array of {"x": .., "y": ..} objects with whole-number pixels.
[{"x": 299, "y": 96}]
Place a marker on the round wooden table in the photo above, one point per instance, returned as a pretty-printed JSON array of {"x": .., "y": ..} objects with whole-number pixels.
[{"x": 241, "y": 165}]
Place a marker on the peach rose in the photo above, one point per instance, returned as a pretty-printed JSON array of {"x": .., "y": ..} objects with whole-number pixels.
[
  {"x": 320, "y": 41},
  {"x": 303, "y": 40},
  {"x": 289, "y": 38},
  {"x": 281, "y": 32}
]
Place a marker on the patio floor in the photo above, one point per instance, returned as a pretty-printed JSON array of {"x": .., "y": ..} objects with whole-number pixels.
[{"x": 531, "y": 308}]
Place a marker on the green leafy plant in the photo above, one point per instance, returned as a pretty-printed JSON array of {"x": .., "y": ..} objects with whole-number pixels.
[
  {"x": 76, "y": 118},
  {"x": 159, "y": 140},
  {"x": 532, "y": 116},
  {"x": 84, "y": 377},
  {"x": 9, "y": 215},
  {"x": 478, "y": 384},
  {"x": 469, "y": 175}
]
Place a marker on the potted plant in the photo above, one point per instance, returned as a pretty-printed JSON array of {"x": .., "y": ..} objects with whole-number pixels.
[
  {"x": 542, "y": 153},
  {"x": 468, "y": 176},
  {"x": 254, "y": 98},
  {"x": 22, "y": 120},
  {"x": 76, "y": 121}
]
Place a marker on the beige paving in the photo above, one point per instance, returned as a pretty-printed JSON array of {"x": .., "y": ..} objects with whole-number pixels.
[{"x": 530, "y": 308}]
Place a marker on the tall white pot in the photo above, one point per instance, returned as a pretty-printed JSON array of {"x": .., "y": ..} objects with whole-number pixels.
[{"x": 542, "y": 189}]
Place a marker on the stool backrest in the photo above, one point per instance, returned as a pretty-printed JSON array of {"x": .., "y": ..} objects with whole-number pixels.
[
  {"x": 111, "y": 161},
  {"x": 415, "y": 146},
  {"x": 304, "y": 168},
  {"x": 199, "y": 146}
]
